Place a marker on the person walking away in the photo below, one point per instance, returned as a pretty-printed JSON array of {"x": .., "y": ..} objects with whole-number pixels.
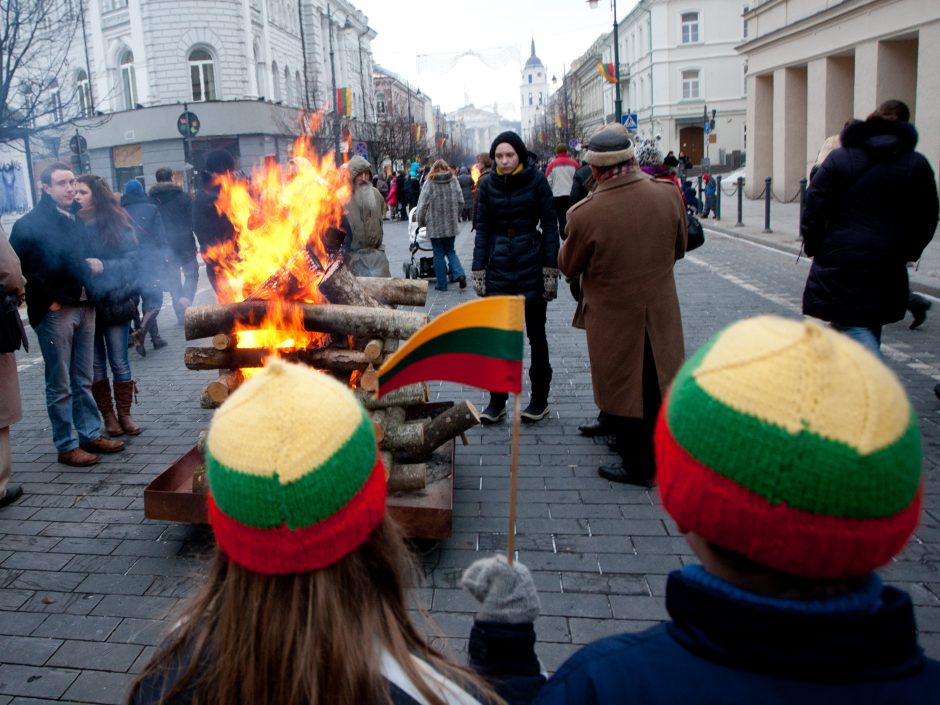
[
  {"x": 871, "y": 208},
  {"x": 413, "y": 187},
  {"x": 12, "y": 284},
  {"x": 176, "y": 211},
  {"x": 466, "y": 190},
  {"x": 485, "y": 165},
  {"x": 623, "y": 241},
  {"x": 438, "y": 210},
  {"x": 392, "y": 198},
  {"x": 402, "y": 196},
  {"x": 711, "y": 196},
  {"x": 54, "y": 253},
  {"x": 366, "y": 206},
  {"x": 153, "y": 256},
  {"x": 112, "y": 239},
  {"x": 214, "y": 230},
  {"x": 516, "y": 253},
  {"x": 560, "y": 174}
]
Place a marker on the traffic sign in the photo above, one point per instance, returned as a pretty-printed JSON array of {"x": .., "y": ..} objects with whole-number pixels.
[
  {"x": 362, "y": 149},
  {"x": 708, "y": 127},
  {"x": 188, "y": 124},
  {"x": 78, "y": 144},
  {"x": 573, "y": 144},
  {"x": 629, "y": 121}
]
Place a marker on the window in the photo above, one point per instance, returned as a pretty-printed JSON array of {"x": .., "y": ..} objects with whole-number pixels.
[
  {"x": 83, "y": 88},
  {"x": 275, "y": 83},
  {"x": 744, "y": 29},
  {"x": 259, "y": 69},
  {"x": 289, "y": 86},
  {"x": 55, "y": 101},
  {"x": 128, "y": 80},
  {"x": 380, "y": 108},
  {"x": 202, "y": 75},
  {"x": 530, "y": 99},
  {"x": 540, "y": 97},
  {"x": 530, "y": 78},
  {"x": 690, "y": 84},
  {"x": 301, "y": 93},
  {"x": 689, "y": 27}
]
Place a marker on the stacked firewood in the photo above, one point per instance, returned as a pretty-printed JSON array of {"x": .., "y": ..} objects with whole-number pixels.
[{"x": 361, "y": 329}]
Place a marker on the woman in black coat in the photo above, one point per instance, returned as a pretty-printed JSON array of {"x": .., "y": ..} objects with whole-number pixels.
[
  {"x": 871, "y": 208},
  {"x": 516, "y": 252}
]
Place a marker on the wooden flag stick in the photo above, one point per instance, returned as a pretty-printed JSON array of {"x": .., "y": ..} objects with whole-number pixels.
[{"x": 513, "y": 477}]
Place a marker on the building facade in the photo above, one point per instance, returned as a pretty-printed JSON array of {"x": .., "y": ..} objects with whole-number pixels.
[
  {"x": 533, "y": 98},
  {"x": 814, "y": 64},
  {"x": 405, "y": 118}
]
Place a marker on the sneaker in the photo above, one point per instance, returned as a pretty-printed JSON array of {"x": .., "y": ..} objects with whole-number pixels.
[
  {"x": 492, "y": 413},
  {"x": 77, "y": 458},
  {"x": 13, "y": 493},
  {"x": 103, "y": 445},
  {"x": 535, "y": 411}
]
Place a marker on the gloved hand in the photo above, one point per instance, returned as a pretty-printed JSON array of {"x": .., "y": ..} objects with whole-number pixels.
[
  {"x": 478, "y": 280},
  {"x": 550, "y": 282},
  {"x": 505, "y": 592}
]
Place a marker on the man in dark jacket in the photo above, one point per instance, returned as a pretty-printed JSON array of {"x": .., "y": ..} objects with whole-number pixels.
[
  {"x": 53, "y": 252},
  {"x": 153, "y": 254},
  {"x": 213, "y": 229},
  {"x": 176, "y": 209},
  {"x": 871, "y": 208}
]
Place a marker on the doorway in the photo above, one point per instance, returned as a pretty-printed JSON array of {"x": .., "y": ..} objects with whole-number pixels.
[{"x": 690, "y": 142}]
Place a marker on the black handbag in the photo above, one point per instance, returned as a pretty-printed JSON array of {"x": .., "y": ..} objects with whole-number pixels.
[
  {"x": 696, "y": 234},
  {"x": 12, "y": 331}
]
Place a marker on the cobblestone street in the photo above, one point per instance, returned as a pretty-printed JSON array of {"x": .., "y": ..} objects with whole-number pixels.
[{"x": 88, "y": 585}]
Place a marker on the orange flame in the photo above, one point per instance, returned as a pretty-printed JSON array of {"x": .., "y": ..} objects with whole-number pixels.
[{"x": 475, "y": 173}]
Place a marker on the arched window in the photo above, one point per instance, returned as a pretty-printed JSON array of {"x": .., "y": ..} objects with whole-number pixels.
[
  {"x": 288, "y": 86},
  {"x": 690, "y": 84},
  {"x": 530, "y": 78},
  {"x": 689, "y": 27},
  {"x": 301, "y": 93},
  {"x": 128, "y": 80},
  {"x": 380, "y": 108},
  {"x": 259, "y": 69},
  {"x": 530, "y": 99},
  {"x": 275, "y": 83},
  {"x": 202, "y": 75},
  {"x": 83, "y": 89}
]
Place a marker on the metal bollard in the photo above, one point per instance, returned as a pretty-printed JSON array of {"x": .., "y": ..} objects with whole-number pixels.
[
  {"x": 767, "y": 194},
  {"x": 701, "y": 193},
  {"x": 740, "y": 222},
  {"x": 803, "y": 183},
  {"x": 718, "y": 198}
]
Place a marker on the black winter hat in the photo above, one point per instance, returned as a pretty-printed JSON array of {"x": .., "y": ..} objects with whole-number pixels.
[
  {"x": 514, "y": 141},
  {"x": 219, "y": 161}
]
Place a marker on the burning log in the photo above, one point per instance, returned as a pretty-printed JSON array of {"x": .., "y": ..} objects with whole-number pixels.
[
  {"x": 369, "y": 381},
  {"x": 223, "y": 341},
  {"x": 219, "y": 389},
  {"x": 448, "y": 424},
  {"x": 404, "y": 396},
  {"x": 396, "y": 292},
  {"x": 373, "y": 349},
  {"x": 340, "y": 286},
  {"x": 236, "y": 358},
  {"x": 205, "y": 321},
  {"x": 407, "y": 437},
  {"x": 289, "y": 278},
  {"x": 408, "y": 477}
]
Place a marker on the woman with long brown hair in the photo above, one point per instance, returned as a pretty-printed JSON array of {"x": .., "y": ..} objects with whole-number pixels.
[
  {"x": 438, "y": 210},
  {"x": 305, "y": 600},
  {"x": 114, "y": 293}
]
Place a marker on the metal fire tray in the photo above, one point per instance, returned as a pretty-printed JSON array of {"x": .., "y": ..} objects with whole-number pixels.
[{"x": 422, "y": 514}]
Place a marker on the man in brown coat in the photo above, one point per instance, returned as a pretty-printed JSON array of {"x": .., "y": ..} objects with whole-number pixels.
[
  {"x": 11, "y": 282},
  {"x": 623, "y": 240}
]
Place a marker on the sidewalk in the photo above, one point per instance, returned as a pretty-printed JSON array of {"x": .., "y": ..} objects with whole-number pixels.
[{"x": 785, "y": 224}]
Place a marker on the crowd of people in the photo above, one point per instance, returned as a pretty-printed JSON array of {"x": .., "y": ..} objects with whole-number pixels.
[{"x": 791, "y": 482}]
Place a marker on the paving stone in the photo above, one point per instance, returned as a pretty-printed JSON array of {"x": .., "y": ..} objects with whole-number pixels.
[
  {"x": 102, "y": 656},
  {"x": 71, "y": 626},
  {"x": 100, "y": 687},
  {"x": 61, "y": 602},
  {"x": 27, "y": 560},
  {"x": 29, "y": 651},
  {"x": 575, "y": 605},
  {"x": 134, "y": 547},
  {"x": 19, "y": 623},
  {"x": 134, "y": 606},
  {"x": 97, "y": 546},
  {"x": 35, "y": 682},
  {"x": 12, "y": 599},
  {"x": 115, "y": 584},
  {"x": 149, "y": 632},
  {"x": 45, "y": 580},
  {"x": 168, "y": 566},
  {"x": 638, "y": 607},
  {"x": 73, "y": 530}
]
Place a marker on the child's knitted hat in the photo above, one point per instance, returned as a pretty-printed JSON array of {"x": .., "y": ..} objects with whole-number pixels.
[
  {"x": 792, "y": 445},
  {"x": 295, "y": 478}
]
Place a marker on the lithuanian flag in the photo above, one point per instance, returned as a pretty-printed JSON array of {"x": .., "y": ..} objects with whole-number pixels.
[
  {"x": 344, "y": 101},
  {"x": 477, "y": 343},
  {"x": 607, "y": 71}
]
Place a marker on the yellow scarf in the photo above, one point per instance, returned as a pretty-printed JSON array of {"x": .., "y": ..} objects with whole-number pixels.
[{"x": 514, "y": 171}]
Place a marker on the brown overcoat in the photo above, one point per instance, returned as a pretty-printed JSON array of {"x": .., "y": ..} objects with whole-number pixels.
[
  {"x": 11, "y": 279},
  {"x": 623, "y": 240}
]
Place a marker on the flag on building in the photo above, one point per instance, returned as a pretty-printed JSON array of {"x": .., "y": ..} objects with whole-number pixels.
[
  {"x": 477, "y": 343},
  {"x": 607, "y": 71},
  {"x": 344, "y": 101}
]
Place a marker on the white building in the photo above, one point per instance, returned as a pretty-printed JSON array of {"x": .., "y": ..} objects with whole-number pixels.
[
  {"x": 813, "y": 64},
  {"x": 479, "y": 127},
  {"x": 533, "y": 97}
]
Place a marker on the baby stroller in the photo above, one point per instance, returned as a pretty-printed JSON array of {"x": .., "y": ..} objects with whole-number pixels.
[{"x": 418, "y": 241}]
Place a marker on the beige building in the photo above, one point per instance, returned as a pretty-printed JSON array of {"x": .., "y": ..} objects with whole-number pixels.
[{"x": 813, "y": 64}]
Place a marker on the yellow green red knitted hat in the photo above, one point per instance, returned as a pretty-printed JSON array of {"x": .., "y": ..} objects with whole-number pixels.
[
  {"x": 295, "y": 479},
  {"x": 792, "y": 445}
]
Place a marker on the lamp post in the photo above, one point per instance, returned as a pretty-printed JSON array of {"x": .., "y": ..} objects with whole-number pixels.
[
  {"x": 411, "y": 126},
  {"x": 329, "y": 25},
  {"x": 564, "y": 98},
  {"x": 618, "y": 103}
]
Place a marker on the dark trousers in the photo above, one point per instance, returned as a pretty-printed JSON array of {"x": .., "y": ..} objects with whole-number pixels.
[
  {"x": 635, "y": 435},
  {"x": 562, "y": 203},
  {"x": 183, "y": 286},
  {"x": 540, "y": 369}
]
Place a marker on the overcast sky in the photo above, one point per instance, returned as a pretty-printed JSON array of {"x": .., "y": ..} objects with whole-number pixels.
[{"x": 562, "y": 29}]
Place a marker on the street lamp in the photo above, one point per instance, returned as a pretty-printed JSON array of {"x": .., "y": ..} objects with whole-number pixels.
[
  {"x": 329, "y": 25},
  {"x": 564, "y": 97},
  {"x": 618, "y": 104}
]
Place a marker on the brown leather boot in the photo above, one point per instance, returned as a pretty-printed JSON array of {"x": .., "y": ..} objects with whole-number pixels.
[
  {"x": 124, "y": 396},
  {"x": 101, "y": 391}
]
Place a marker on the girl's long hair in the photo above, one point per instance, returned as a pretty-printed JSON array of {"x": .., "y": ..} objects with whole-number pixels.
[
  {"x": 302, "y": 639},
  {"x": 439, "y": 167},
  {"x": 113, "y": 224}
]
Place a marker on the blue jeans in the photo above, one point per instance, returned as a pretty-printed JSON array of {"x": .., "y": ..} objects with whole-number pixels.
[
  {"x": 444, "y": 247},
  {"x": 111, "y": 348},
  {"x": 67, "y": 341},
  {"x": 868, "y": 336}
]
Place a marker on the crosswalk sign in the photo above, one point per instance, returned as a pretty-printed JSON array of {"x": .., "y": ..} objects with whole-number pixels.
[{"x": 629, "y": 121}]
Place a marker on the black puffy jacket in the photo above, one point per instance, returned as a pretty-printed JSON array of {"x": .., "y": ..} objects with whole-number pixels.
[
  {"x": 516, "y": 231},
  {"x": 871, "y": 208},
  {"x": 176, "y": 209},
  {"x": 151, "y": 237},
  {"x": 114, "y": 291}
]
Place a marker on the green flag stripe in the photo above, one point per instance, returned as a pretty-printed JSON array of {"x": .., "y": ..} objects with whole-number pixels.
[{"x": 490, "y": 342}]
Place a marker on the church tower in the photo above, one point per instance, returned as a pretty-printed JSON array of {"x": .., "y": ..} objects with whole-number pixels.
[{"x": 533, "y": 96}]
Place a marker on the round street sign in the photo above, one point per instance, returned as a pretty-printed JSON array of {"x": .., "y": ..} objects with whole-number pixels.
[
  {"x": 78, "y": 144},
  {"x": 573, "y": 144},
  {"x": 188, "y": 124},
  {"x": 362, "y": 149}
]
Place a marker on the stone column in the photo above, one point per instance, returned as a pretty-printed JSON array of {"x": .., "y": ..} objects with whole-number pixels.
[
  {"x": 866, "y": 82},
  {"x": 789, "y": 150},
  {"x": 831, "y": 82},
  {"x": 928, "y": 94},
  {"x": 760, "y": 144}
]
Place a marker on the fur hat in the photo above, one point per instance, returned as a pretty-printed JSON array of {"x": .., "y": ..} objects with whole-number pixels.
[
  {"x": 648, "y": 153},
  {"x": 514, "y": 141},
  {"x": 357, "y": 165},
  {"x": 610, "y": 145},
  {"x": 295, "y": 479},
  {"x": 790, "y": 444}
]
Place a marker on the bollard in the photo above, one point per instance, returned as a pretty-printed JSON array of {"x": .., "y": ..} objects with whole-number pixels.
[
  {"x": 740, "y": 222},
  {"x": 767, "y": 194},
  {"x": 718, "y": 198},
  {"x": 701, "y": 193},
  {"x": 803, "y": 183}
]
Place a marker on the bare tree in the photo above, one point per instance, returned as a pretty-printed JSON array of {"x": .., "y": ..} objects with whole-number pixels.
[{"x": 34, "y": 44}]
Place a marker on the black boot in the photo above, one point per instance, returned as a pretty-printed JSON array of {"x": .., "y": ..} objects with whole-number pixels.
[
  {"x": 634, "y": 445},
  {"x": 918, "y": 306},
  {"x": 538, "y": 403},
  {"x": 495, "y": 410}
]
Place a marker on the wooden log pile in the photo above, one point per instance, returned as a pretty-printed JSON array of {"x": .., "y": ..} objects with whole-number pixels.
[{"x": 363, "y": 328}]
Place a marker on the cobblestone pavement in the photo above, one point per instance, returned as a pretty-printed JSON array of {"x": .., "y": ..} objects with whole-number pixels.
[{"x": 87, "y": 585}]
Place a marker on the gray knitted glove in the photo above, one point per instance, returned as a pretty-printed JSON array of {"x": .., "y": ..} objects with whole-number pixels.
[
  {"x": 550, "y": 282},
  {"x": 478, "y": 280},
  {"x": 505, "y": 592}
]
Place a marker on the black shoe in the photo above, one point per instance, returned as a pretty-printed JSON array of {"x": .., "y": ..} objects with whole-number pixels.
[
  {"x": 625, "y": 476},
  {"x": 14, "y": 492},
  {"x": 936, "y": 390},
  {"x": 535, "y": 411},
  {"x": 595, "y": 428},
  {"x": 919, "y": 309},
  {"x": 492, "y": 413},
  {"x": 462, "y": 280},
  {"x": 158, "y": 342}
]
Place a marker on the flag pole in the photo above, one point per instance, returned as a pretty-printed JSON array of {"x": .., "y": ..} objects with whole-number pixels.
[{"x": 513, "y": 477}]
